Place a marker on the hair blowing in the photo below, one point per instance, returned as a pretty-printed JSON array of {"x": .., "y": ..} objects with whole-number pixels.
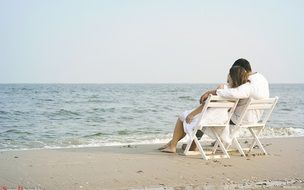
[{"x": 238, "y": 76}]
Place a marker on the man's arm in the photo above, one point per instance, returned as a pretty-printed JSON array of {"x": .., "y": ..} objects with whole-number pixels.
[
  {"x": 213, "y": 92},
  {"x": 240, "y": 92},
  {"x": 206, "y": 94}
]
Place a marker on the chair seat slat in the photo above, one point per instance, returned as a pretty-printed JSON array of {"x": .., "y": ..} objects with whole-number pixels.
[
  {"x": 260, "y": 106},
  {"x": 221, "y": 104}
]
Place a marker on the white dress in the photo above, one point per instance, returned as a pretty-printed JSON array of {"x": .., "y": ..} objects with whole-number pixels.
[{"x": 214, "y": 116}]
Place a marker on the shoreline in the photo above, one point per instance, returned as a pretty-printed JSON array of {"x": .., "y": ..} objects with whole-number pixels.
[
  {"x": 143, "y": 166},
  {"x": 128, "y": 144}
]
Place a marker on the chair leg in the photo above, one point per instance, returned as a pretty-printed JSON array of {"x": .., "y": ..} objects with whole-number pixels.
[
  {"x": 238, "y": 146},
  {"x": 220, "y": 143},
  {"x": 200, "y": 148},
  {"x": 256, "y": 140},
  {"x": 251, "y": 145},
  {"x": 188, "y": 146},
  {"x": 215, "y": 147},
  {"x": 228, "y": 146},
  {"x": 191, "y": 139}
]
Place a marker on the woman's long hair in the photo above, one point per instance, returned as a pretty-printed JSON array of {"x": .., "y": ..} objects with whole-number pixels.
[{"x": 238, "y": 76}]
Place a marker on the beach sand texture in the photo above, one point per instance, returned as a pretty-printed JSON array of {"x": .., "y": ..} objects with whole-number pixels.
[{"x": 143, "y": 166}]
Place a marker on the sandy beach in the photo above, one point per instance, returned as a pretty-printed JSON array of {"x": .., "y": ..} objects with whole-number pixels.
[{"x": 143, "y": 166}]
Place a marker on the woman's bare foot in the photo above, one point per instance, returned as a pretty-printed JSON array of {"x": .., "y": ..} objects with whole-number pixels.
[
  {"x": 165, "y": 146},
  {"x": 169, "y": 150}
]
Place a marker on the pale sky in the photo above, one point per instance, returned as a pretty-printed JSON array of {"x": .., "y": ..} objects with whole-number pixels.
[{"x": 156, "y": 41}]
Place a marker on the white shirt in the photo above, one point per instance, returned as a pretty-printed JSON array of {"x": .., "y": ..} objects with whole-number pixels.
[{"x": 257, "y": 88}]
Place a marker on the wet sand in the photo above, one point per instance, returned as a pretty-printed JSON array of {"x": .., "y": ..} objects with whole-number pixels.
[{"x": 143, "y": 166}]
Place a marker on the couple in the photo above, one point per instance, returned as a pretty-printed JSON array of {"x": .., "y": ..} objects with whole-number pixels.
[{"x": 242, "y": 84}]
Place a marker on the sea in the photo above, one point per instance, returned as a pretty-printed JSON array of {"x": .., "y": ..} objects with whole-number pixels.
[{"x": 46, "y": 116}]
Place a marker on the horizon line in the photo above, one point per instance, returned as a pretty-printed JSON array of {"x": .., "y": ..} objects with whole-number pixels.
[{"x": 130, "y": 83}]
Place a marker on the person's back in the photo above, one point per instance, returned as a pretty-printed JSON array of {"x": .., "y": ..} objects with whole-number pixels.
[
  {"x": 259, "y": 89},
  {"x": 259, "y": 85}
]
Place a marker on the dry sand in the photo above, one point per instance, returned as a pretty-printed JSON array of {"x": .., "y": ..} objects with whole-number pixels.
[{"x": 143, "y": 166}]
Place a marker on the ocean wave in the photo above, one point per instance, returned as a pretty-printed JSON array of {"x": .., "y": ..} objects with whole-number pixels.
[
  {"x": 276, "y": 132},
  {"x": 4, "y": 115},
  {"x": 286, "y": 109},
  {"x": 105, "y": 110},
  {"x": 186, "y": 98},
  {"x": 149, "y": 137},
  {"x": 124, "y": 132},
  {"x": 66, "y": 112},
  {"x": 90, "y": 141},
  {"x": 47, "y": 100},
  {"x": 94, "y": 96},
  {"x": 97, "y": 101},
  {"x": 15, "y": 131},
  {"x": 20, "y": 112},
  {"x": 126, "y": 117},
  {"x": 95, "y": 135},
  {"x": 3, "y": 112},
  {"x": 71, "y": 141}
]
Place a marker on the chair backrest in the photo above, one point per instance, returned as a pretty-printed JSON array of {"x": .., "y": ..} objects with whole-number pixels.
[
  {"x": 226, "y": 105},
  {"x": 263, "y": 108}
]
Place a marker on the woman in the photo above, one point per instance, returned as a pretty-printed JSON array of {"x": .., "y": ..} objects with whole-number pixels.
[{"x": 237, "y": 76}]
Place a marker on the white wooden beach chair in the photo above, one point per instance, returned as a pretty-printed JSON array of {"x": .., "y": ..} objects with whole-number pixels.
[
  {"x": 210, "y": 103},
  {"x": 266, "y": 107}
]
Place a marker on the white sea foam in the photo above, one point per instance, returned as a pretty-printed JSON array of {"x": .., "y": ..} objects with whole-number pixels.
[
  {"x": 276, "y": 132},
  {"x": 162, "y": 139}
]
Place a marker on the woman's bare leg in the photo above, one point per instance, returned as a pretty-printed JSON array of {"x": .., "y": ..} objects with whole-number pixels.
[
  {"x": 195, "y": 112},
  {"x": 178, "y": 134}
]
